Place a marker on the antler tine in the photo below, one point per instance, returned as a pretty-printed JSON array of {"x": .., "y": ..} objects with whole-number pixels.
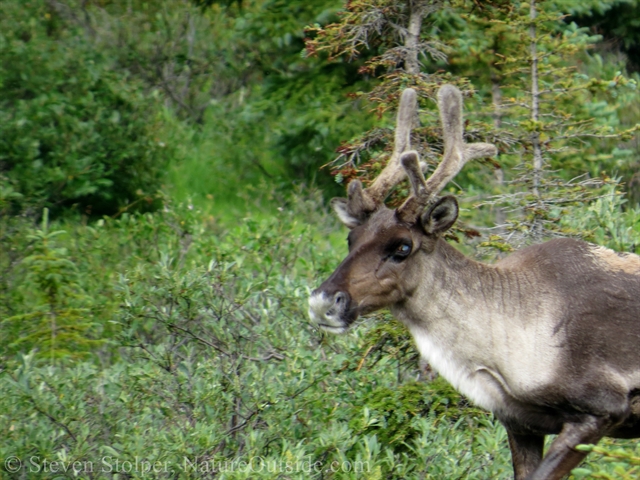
[
  {"x": 366, "y": 201},
  {"x": 393, "y": 172},
  {"x": 456, "y": 154}
]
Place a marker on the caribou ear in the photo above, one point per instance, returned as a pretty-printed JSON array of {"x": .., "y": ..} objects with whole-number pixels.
[
  {"x": 438, "y": 218},
  {"x": 340, "y": 207}
]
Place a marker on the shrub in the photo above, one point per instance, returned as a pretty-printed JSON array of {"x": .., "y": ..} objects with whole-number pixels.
[
  {"x": 207, "y": 360},
  {"x": 72, "y": 131}
]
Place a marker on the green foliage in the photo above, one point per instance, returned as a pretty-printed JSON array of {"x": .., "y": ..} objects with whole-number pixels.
[
  {"x": 55, "y": 323},
  {"x": 528, "y": 72},
  {"x": 209, "y": 359},
  {"x": 235, "y": 69},
  {"x": 171, "y": 345},
  {"x": 621, "y": 463},
  {"x": 552, "y": 107},
  {"x": 72, "y": 131},
  {"x": 615, "y": 20},
  {"x": 300, "y": 110},
  {"x": 606, "y": 222},
  {"x": 390, "y": 413},
  {"x": 170, "y": 46}
]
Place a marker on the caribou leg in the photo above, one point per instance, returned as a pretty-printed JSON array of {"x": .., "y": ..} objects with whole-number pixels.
[
  {"x": 526, "y": 453},
  {"x": 562, "y": 456}
]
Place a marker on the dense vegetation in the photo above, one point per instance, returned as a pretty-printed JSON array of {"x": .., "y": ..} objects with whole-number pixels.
[
  {"x": 74, "y": 131},
  {"x": 161, "y": 226}
]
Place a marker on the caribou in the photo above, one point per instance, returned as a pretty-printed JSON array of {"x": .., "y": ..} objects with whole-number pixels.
[{"x": 547, "y": 339}]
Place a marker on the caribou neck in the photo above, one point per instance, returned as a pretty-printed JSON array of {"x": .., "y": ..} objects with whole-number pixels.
[
  {"x": 455, "y": 288},
  {"x": 481, "y": 326}
]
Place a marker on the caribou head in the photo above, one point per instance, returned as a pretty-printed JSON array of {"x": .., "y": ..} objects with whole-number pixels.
[
  {"x": 548, "y": 339},
  {"x": 383, "y": 267}
]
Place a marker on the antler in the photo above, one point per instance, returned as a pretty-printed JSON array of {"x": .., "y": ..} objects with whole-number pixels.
[
  {"x": 361, "y": 202},
  {"x": 456, "y": 154}
]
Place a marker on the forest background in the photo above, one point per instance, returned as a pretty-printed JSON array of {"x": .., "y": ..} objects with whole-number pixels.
[{"x": 164, "y": 174}]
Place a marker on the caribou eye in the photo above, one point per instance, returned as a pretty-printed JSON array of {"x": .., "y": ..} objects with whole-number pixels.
[{"x": 401, "y": 252}]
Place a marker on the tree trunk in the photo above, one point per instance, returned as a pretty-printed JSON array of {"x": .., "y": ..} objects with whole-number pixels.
[{"x": 535, "y": 113}]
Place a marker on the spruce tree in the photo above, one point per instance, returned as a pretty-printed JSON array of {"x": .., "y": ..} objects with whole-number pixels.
[
  {"x": 520, "y": 63},
  {"x": 555, "y": 115}
]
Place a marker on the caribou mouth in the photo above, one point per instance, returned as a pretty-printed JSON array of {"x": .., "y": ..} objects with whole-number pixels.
[{"x": 333, "y": 329}]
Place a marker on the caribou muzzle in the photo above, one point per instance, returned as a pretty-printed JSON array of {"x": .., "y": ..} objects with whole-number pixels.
[{"x": 332, "y": 310}]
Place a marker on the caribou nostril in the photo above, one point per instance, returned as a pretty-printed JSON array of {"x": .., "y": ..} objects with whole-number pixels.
[{"x": 340, "y": 298}]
